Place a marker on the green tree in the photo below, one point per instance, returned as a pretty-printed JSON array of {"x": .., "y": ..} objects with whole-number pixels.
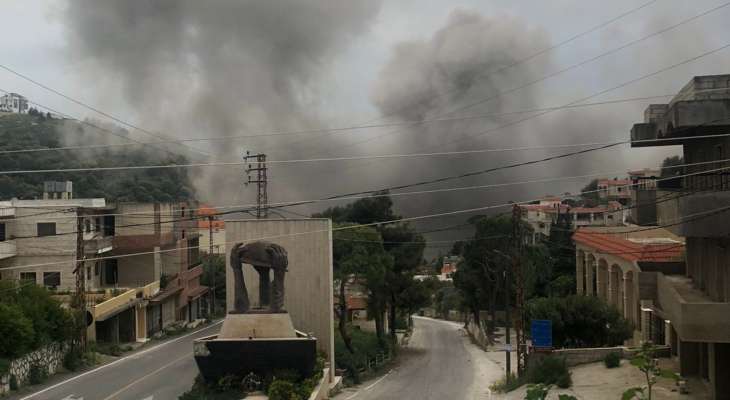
[
  {"x": 358, "y": 253},
  {"x": 480, "y": 276},
  {"x": 214, "y": 276},
  {"x": 28, "y": 131},
  {"x": 400, "y": 241},
  {"x": 16, "y": 332},
  {"x": 648, "y": 365},
  {"x": 581, "y": 321}
]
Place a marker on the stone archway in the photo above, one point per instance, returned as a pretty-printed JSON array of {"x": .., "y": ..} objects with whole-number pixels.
[
  {"x": 591, "y": 275},
  {"x": 629, "y": 297},
  {"x": 602, "y": 279},
  {"x": 580, "y": 272},
  {"x": 615, "y": 287}
]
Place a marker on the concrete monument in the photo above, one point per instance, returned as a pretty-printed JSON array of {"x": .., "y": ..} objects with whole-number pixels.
[{"x": 256, "y": 340}]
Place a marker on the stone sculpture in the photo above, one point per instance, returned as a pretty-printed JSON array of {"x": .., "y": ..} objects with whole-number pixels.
[{"x": 263, "y": 256}]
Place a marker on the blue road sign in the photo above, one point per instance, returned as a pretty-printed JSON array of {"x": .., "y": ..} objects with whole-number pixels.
[{"x": 542, "y": 333}]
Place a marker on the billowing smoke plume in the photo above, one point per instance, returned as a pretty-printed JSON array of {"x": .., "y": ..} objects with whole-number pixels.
[
  {"x": 194, "y": 68},
  {"x": 471, "y": 59}
]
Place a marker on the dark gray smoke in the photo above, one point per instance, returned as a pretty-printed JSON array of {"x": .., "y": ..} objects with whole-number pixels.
[{"x": 193, "y": 68}]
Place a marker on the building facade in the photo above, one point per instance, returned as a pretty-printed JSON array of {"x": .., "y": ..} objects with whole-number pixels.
[
  {"x": 13, "y": 103},
  {"x": 142, "y": 263},
  {"x": 697, "y": 305},
  {"x": 541, "y": 216}
]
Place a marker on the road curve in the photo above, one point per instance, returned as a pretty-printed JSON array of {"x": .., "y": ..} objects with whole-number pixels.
[
  {"x": 161, "y": 372},
  {"x": 435, "y": 365}
]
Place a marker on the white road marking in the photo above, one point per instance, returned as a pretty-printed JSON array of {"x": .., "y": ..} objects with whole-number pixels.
[
  {"x": 353, "y": 396},
  {"x": 149, "y": 398},
  {"x": 72, "y": 397},
  {"x": 378, "y": 381},
  {"x": 131, "y": 356}
]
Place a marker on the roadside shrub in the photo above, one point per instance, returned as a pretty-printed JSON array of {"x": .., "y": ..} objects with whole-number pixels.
[
  {"x": 504, "y": 387},
  {"x": 581, "y": 321},
  {"x": 37, "y": 374},
  {"x": 549, "y": 370},
  {"x": 612, "y": 360},
  {"x": 16, "y": 332},
  {"x": 13, "y": 382},
  {"x": 367, "y": 347},
  {"x": 73, "y": 360},
  {"x": 283, "y": 390},
  {"x": 4, "y": 366}
]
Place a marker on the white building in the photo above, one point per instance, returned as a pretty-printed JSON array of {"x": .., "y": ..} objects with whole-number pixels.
[
  {"x": 541, "y": 216},
  {"x": 14, "y": 103}
]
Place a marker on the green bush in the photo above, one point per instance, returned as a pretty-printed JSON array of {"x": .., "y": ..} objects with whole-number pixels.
[
  {"x": 16, "y": 332},
  {"x": 73, "y": 360},
  {"x": 283, "y": 390},
  {"x": 4, "y": 366},
  {"x": 581, "y": 321},
  {"x": 37, "y": 374},
  {"x": 367, "y": 347},
  {"x": 612, "y": 360},
  {"x": 549, "y": 370},
  {"x": 13, "y": 382}
]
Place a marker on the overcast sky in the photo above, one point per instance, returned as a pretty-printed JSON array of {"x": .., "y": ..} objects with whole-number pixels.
[{"x": 355, "y": 78}]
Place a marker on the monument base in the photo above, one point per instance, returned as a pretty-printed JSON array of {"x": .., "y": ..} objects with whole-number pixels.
[{"x": 255, "y": 343}]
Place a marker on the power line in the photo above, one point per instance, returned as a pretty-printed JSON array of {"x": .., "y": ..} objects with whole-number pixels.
[
  {"x": 87, "y": 123},
  {"x": 309, "y": 131},
  {"x": 251, "y": 207},
  {"x": 566, "y": 69},
  {"x": 514, "y": 64},
  {"x": 367, "y": 157},
  {"x": 377, "y": 223},
  {"x": 89, "y": 107}
]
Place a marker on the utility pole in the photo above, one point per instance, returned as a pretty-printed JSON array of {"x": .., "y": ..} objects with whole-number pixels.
[
  {"x": 261, "y": 181},
  {"x": 210, "y": 260},
  {"x": 519, "y": 289},
  {"x": 80, "y": 278},
  {"x": 507, "y": 324}
]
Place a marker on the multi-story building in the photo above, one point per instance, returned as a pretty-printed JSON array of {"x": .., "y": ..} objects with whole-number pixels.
[
  {"x": 616, "y": 263},
  {"x": 543, "y": 215},
  {"x": 14, "y": 103},
  {"x": 614, "y": 190},
  {"x": 696, "y": 308},
  {"x": 142, "y": 264}
]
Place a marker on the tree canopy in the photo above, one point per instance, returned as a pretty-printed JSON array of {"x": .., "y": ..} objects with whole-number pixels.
[{"x": 37, "y": 131}]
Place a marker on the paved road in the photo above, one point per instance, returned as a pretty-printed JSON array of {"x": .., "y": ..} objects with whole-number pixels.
[
  {"x": 435, "y": 365},
  {"x": 161, "y": 372}
]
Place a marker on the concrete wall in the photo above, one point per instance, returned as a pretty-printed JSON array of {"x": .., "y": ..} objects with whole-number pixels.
[
  {"x": 308, "y": 284},
  {"x": 136, "y": 271}
]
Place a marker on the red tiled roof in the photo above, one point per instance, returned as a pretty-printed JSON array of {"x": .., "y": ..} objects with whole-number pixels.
[
  {"x": 614, "y": 182},
  {"x": 357, "y": 303},
  {"x": 628, "y": 250},
  {"x": 564, "y": 208}
]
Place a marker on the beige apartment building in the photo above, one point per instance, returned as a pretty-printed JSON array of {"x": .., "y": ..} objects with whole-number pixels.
[
  {"x": 696, "y": 305},
  {"x": 142, "y": 265}
]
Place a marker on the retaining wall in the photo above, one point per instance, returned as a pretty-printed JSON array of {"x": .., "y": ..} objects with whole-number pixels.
[{"x": 49, "y": 357}]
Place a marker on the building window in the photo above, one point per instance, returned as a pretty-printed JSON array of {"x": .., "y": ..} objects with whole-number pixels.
[
  {"x": 52, "y": 280},
  {"x": 87, "y": 226},
  {"x": 97, "y": 224},
  {"x": 88, "y": 273},
  {"x": 111, "y": 272},
  {"x": 2, "y": 232},
  {"x": 182, "y": 211},
  {"x": 96, "y": 268},
  {"x": 46, "y": 228},
  {"x": 27, "y": 277}
]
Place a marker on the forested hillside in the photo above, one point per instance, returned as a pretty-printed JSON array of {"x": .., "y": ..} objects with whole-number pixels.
[{"x": 38, "y": 131}]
